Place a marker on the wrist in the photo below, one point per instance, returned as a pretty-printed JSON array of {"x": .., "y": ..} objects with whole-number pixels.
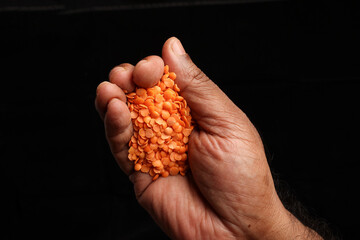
[{"x": 287, "y": 226}]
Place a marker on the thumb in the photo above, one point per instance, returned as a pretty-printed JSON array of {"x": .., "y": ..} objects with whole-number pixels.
[{"x": 209, "y": 105}]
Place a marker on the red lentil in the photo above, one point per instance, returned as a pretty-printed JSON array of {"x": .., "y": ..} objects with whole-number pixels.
[{"x": 162, "y": 124}]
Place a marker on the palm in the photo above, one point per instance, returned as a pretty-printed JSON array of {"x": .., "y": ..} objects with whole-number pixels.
[
  {"x": 178, "y": 202},
  {"x": 184, "y": 202}
]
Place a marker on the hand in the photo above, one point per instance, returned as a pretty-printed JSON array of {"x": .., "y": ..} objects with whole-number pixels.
[{"x": 230, "y": 192}]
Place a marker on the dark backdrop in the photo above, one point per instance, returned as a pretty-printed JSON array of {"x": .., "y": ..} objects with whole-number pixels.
[{"x": 292, "y": 67}]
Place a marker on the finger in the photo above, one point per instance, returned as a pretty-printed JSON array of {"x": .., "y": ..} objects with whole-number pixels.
[
  {"x": 148, "y": 71},
  {"x": 141, "y": 182},
  {"x": 122, "y": 76},
  {"x": 119, "y": 130},
  {"x": 104, "y": 93},
  {"x": 208, "y": 103}
]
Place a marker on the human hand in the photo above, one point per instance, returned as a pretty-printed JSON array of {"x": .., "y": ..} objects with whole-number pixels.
[{"x": 230, "y": 192}]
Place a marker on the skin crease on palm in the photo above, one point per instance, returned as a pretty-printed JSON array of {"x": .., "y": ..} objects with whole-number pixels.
[{"x": 230, "y": 192}]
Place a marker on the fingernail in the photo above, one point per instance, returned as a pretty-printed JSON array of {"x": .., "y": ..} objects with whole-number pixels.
[
  {"x": 177, "y": 48},
  {"x": 142, "y": 61},
  {"x": 121, "y": 69}
]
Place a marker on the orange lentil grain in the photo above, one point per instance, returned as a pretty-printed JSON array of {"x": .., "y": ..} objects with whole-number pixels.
[
  {"x": 158, "y": 155},
  {"x": 154, "y": 139},
  {"x": 165, "y": 160},
  {"x": 145, "y": 168},
  {"x": 167, "y": 106},
  {"x": 165, "y": 136},
  {"x": 155, "y": 114},
  {"x": 174, "y": 171},
  {"x": 172, "y": 75},
  {"x": 169, "y": 94},
  {"x": 176, "y": 88},
  {"x": 159, "y": 98},
  {"x": 147, "y": 119},
  {"x": 140, "y": 119},
  {"x": 131, "y": 95},
  {"x": 179, "y": 98},
  {"x": 137, "y": 167},
  {"x": 172, "y": 156},
  {"x": 171, "y": 121},
  {"x": 149, "y": 133},
  {"x": 144, "y": 112},
  {"x": 157, "y": 89},
  {"x": 177, "y": 157},
  {"x": 140, "y": 92},
  {"x": 147, "y": 148},
  {"x": 159, "y": 121},
  {"x": 133, "y": 115},
  {"x": 156, "y": 128},
  {"x": 151, "y": 172},
  {"x": 142, "y": 132},
  {"x": 186, "y": 132},
  {"x": 139, "y": 100},
  {"x": 160, "y": 141},
  {"x": 165, "y": 148},
  {"x": 178, "y": 129},
  {"x": 168, "y": 131},
  {"x": 151, "y": 92},
  {"x": 142, "y": 155},
  {"x": 162, "y": 125},
  {"x": 164, "y": 77},
  {"x": 182, "y": 149},
  {"x": 153, "y": 146},
  {"x": 165, "y": 174},
  {"x": 169, "y": 83},
  {"x": 165, "y": 114},
  {"x": 149, "y": 102}
]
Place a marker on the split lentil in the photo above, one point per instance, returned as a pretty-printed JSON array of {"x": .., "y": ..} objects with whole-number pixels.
[{"x": 162, "y": 124}]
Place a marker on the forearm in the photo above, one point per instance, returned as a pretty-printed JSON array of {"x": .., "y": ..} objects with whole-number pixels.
[
  {"x": 291, "y": 228},
  {"x": 301, "y": 220}
]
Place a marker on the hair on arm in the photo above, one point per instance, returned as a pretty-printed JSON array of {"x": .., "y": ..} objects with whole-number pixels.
[{"x": 293, "y": 205}]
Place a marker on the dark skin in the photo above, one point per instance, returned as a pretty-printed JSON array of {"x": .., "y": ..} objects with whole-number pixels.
[{"x": 230, "y": 192}]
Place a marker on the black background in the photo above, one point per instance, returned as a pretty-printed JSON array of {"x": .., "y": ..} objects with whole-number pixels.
[{"x": 292, "y": 67}]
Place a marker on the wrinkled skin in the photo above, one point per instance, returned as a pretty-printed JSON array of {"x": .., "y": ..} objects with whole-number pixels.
[{"x": 230, "y": 192}]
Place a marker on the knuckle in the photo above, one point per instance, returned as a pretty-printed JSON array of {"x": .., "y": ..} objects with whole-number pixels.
[{"x": 195, "y": 74}]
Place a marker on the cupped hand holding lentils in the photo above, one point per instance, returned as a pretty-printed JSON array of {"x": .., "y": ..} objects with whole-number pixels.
[{"x": 229, "y": 192}]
